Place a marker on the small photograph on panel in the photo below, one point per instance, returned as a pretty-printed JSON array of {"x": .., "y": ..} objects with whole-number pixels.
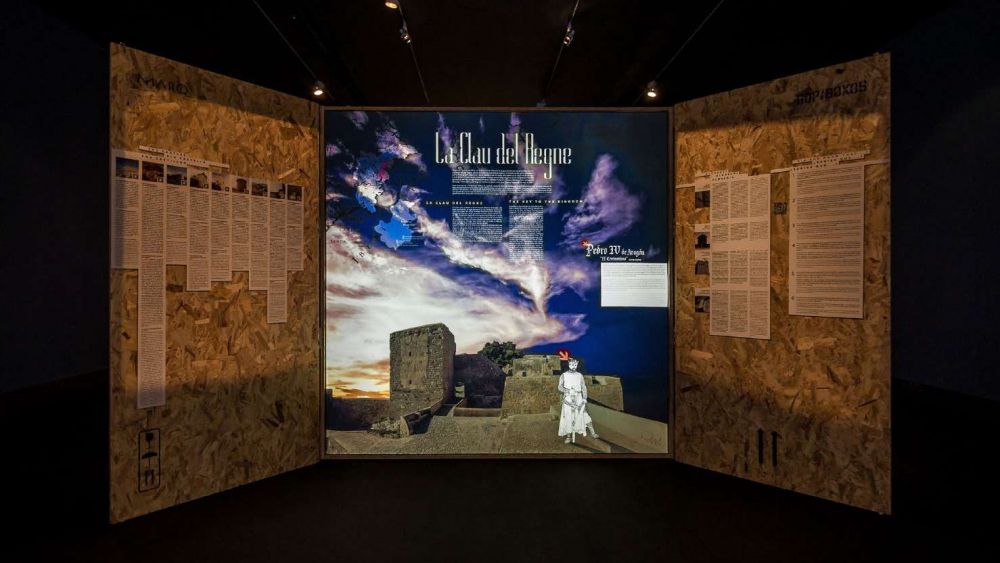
[
  {"x": 258, "y": 189},
  {"x": 701, "y": 267},
  {"x": 199, "y": 180},
  {"x": 702, "y": 301},
  {"x": 127, "y": 168},
  {"x": 152, "y": 171},
  {"x": 702, "y": 198},
  {"x": 217, "y": 183},
  {"x": 177, "y": 175},
  {"x": 294, "y": 192},
  {"x": 277, "y": 191},
  {"x": 241, "y": 186},
  {"x": 702, "y": 236}
]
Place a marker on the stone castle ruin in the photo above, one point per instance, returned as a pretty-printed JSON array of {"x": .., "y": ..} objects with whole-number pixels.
[
  {"x": 424, "y": 373},
  {"x": 421, "y": 367}
]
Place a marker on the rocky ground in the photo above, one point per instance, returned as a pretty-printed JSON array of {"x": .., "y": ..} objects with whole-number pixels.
[{"x": 446, "y": 435}]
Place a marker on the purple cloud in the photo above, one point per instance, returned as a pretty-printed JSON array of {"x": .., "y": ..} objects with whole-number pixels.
[
  {"x": 608, "y": 208},
  {"x": 358, "y": 118}
]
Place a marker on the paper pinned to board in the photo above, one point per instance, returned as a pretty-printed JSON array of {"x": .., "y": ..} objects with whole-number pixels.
[
  {"x": 277, "y": 287},
  {"x": 125, "y": 209},
  {"x": 169, "y": 208},
  {"x": 826, "y": 240},
  {"x": 199, "y": 274},
  {"x": 259, "y": 224},
  {"x": 739, "y": 239},
  {"x": 295, "y": 223},
  {"x": 151, "y": 364},
  {"x": 220, "y": 253},
  {"x": 240, "y": 225},
  {"x": 177, "y": 204}
]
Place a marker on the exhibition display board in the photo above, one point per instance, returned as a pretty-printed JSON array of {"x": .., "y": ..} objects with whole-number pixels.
[
  {"x": 497, "y": 282},
  {"x": 807, "y": 409},
  {"x": 214, "y": 375}
]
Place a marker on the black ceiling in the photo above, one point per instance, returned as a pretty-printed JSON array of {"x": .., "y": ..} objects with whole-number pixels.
[{"x": 500, "y": 52}]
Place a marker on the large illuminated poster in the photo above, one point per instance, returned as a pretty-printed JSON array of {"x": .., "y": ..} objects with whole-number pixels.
[{"x": 496, "y": 282}]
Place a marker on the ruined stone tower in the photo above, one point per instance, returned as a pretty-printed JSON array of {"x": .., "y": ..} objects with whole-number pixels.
[{"x": 421, "y": 367}]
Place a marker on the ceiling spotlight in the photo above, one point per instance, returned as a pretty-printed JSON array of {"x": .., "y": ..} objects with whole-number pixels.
[
  {"x": 570, "y": 34},
  {"x": 404, "y": 34},
  {"x": 651, "y": 91},
  {"x": 391, "y": 5},
  {"x": 318, "y": 89}
]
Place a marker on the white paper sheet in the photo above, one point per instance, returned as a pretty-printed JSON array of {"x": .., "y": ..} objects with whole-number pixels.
[
  {"x": 240, "y": 238},
  {"x": 294, "y": 220},
  {"x": 177, "y": 197},
  {"x": 277, "y": 236},
  {"x": 634, "y": 284},
  {"x": 739, "y": 259},
  {"x": 826, "y": 241},
  {"x": 152, "y": 322},
  {"x": 199, "y": 230},
  {"x": 277, "y": 301},
  {"x": 221, "y": 227},
  {"x": 125, "y": 193},
  {"x": 259, "y": 246}
]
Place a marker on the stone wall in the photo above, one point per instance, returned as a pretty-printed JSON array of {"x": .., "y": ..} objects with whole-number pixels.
[
  {"x": 535, "y": 394},
  {"x": 421, "y": 367},
  {"x": 539, "y": 365}
]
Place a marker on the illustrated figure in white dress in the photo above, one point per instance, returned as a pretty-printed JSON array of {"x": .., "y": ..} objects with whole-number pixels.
[{"x": 574, "y": 418}]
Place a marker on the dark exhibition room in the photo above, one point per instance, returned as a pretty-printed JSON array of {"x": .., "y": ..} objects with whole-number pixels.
[{"x": 471, "y": 280}]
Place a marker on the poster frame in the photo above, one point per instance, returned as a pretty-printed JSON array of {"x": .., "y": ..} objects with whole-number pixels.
[{"x": 671, "y": 309}]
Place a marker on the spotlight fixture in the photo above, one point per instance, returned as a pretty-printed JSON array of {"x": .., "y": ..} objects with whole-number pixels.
[
  {"x": 318, "y": 89},
  {"x": 570, "y": 34},
  {"x": 651, "y": 91},
  {"x": 391, "y": 5},
  {"x": 404, "y": 34}
]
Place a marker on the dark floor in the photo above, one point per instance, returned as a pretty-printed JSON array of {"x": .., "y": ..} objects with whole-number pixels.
[{"x": 53, "y": 479}]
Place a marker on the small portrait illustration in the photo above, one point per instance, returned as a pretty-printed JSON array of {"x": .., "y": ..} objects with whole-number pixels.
[{"x": 258, "y": 189}]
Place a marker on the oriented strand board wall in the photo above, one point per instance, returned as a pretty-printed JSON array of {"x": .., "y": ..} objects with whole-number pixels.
[
  {"x": 821, "y": 384},
  {"x": 243, "y": 397}
]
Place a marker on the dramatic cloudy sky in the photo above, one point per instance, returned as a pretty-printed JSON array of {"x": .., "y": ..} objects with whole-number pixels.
[{"x": 381, "y": 186}]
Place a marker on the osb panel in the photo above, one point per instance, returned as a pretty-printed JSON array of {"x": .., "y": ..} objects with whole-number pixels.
[
  {"x": 242, "y": 395},
  {"x": 821, "y": 384}
]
